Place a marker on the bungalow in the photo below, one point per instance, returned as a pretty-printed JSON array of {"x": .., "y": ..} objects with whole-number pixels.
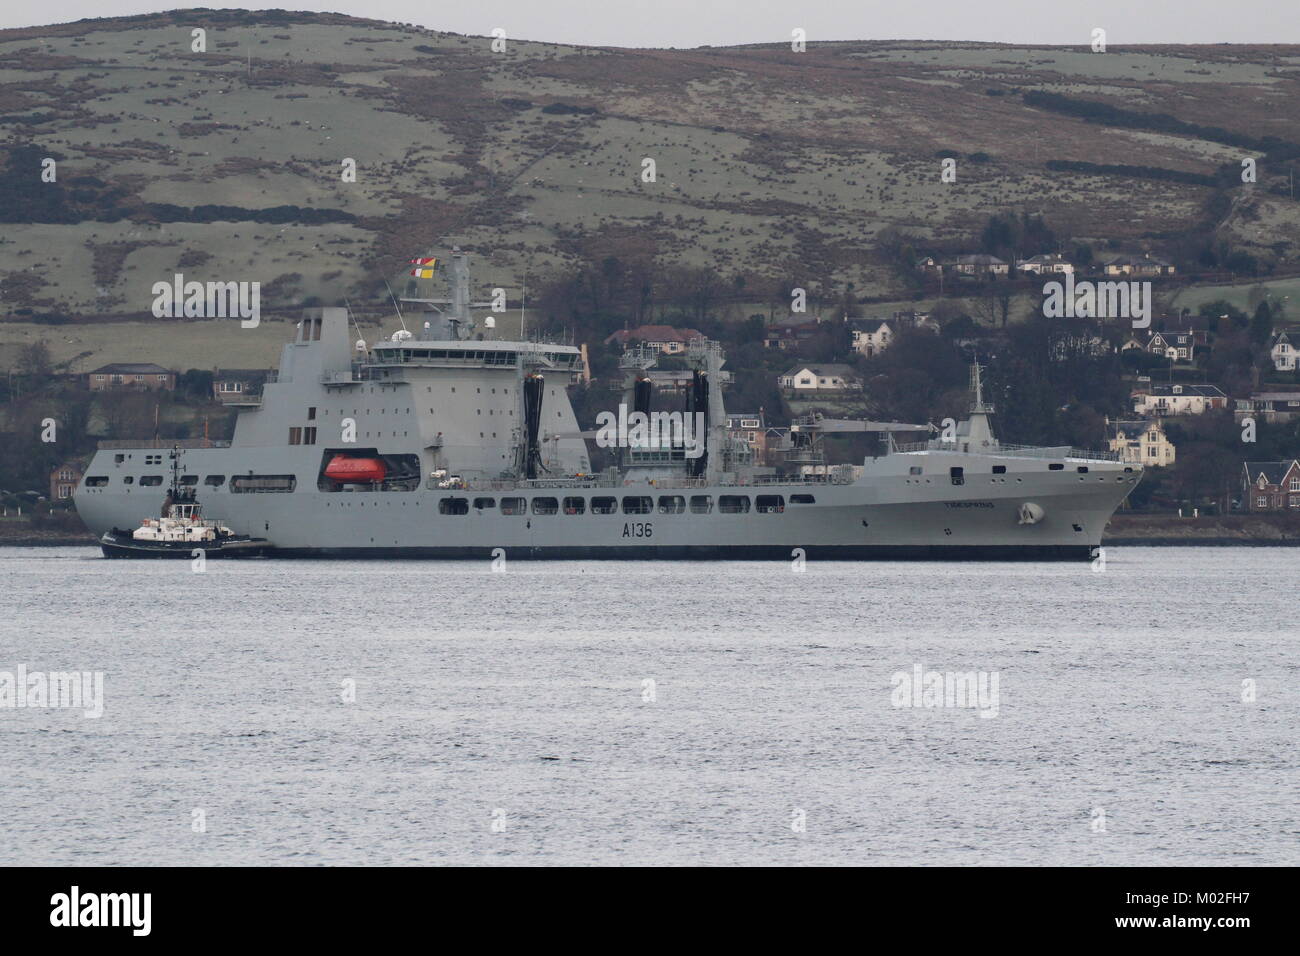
[
  {"x": 1146, "y": 264},
  {"x": 1140, "y": 443},
  {"x": 239, "y": 386},
  {"x": 1273, "y": 407},
  {"x": 662, "y": 338},
  {"x": 928, "y": 265},
  {"x": 789, "y": 335},
  {"x": 978, "y": 265},
  {"x": 1168, "y": 399},
  {"x": 64, "y": 480},
  {"x": 137, "y": 376},
  {"x": 821, "y": 378},
  {"x": 1046, "y": 264},
  {"x": 1271, "y": 485}
]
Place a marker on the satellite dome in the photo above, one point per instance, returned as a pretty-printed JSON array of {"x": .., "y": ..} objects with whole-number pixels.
[
  {"x": 401, "y": 335},
  {"x": 361, "y": 345}
]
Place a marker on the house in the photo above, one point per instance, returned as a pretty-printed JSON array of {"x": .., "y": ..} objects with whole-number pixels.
[
  {"x": 749, "y": 429},
  {"x": 1140, "y": 443},
  {"x": 1125, "y": 264},
  {"x": 239, "y": 386},
  {"x": 1271, "y": 486},
  {"x": 136, "y": 376},
  {"x": 928, "y": 265},
  {"x": 1284, "y": 348},
  {"x": 1273, "y": 407},
  {"x": 821, "y": 378},
  {"x": 978, "y": 265},
  {"x": 789, "y": 335},
  {"x": 64, "y": 480},
  {"x": 1175, "y": 346},
  {"x": 875, "y": 337},
  {"x": 661, "y": 338},
  {"x": 1168, "y": 399},
  {"x": 1047, "y": 264},
  {"x": 872, "y": 336}
]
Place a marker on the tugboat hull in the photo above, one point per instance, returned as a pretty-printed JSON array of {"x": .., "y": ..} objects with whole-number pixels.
[{"x": 120, "y": 544}]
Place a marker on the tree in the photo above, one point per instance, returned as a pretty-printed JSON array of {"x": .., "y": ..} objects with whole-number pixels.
[{"x": 34, "y": 362}]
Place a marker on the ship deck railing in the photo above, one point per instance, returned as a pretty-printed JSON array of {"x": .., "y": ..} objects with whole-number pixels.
[
  {"x": 119, "y": 443},
  {"x": 1011, "y": 451}
]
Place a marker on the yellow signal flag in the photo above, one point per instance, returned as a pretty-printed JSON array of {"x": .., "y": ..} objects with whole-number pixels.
[{"x": 422, "y": 273}]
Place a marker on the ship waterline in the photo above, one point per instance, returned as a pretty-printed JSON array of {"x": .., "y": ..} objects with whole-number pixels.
[{"x": 448, "y": 444}]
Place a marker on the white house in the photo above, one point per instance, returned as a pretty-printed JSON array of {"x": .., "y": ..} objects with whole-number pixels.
[
  {"x": 1140, "y": 443},
  {"x": 873, "y": 338},
  {"x": 1285, "y": 350},
  {"x": 1047, "y": 264},
  {"x": 823, "y": 378},
  {"x": 1179, "y": 400}
]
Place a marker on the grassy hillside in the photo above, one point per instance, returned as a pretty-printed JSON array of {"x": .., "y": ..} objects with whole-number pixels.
[{"x": 769, "y": 162}]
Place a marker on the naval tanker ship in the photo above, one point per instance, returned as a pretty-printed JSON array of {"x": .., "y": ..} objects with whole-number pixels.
[{"x": 448, "y": 442}]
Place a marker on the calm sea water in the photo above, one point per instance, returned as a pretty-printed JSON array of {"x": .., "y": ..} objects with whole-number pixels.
[{"x": 508, "y": 717}]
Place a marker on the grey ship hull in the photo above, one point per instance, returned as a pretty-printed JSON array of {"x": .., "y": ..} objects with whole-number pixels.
[{"x": 887, "y": 514}]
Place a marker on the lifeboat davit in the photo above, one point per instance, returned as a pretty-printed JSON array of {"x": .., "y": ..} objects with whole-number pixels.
[{"x": 347, "y": 468}]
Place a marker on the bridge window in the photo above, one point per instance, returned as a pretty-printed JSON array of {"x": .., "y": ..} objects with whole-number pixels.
[
  {"x": 96, "y": 481},
  {"x": 958, "y": 475},
  {"x": 214, "y": 481},
  {"x": 802, "y": 500},
  {"x": 482, "y": 503},
  {"x": 999, "y": 469},
  {"x": 1056, "y": 466},
  {"x": 189, "y": 480}
]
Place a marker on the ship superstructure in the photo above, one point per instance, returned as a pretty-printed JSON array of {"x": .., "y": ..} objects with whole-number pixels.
[{"x": 446, "y": 441}]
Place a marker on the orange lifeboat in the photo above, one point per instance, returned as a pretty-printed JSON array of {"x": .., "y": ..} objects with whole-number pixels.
[{"x": 349, "y": 469}]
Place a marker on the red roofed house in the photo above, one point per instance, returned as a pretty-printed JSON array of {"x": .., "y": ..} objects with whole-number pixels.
[{"x": 661, "y": 338}]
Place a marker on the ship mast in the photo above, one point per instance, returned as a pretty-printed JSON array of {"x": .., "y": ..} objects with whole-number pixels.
[{"x": 979, "y": 434}]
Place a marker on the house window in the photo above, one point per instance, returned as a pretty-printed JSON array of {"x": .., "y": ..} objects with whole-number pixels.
[
  {"x": 65, "y": 492},
  {"x": 1295, "y": 484},
  {"x": 1294, "y": 501},
  {"x": 1261, "y": 502}
]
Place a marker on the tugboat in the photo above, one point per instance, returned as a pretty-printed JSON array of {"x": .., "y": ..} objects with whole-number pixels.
[{"x": 180, "y": 530}]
